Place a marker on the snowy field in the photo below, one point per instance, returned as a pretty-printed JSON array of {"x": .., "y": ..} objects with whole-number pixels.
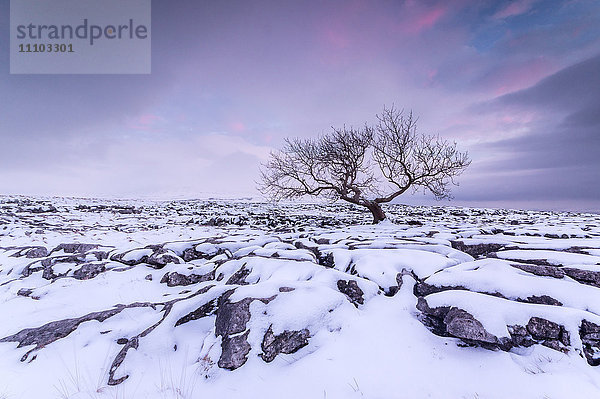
[{"x": 239, "y": 299}]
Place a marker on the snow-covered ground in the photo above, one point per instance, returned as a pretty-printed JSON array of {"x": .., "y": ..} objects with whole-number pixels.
[{"x": 241, "y": 299}]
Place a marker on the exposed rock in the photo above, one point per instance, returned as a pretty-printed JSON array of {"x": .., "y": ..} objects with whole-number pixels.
[
  {"x": 100, "y": 255},
  {"x": 536, "y": 262},
  {"x": 232, "y": 316},
  {"x": 175, "y": 279},
  {"x": 215, "y": 221},
  {"x": 286, "y": 342},
  {"x": 160, "y": 258},
  {"x": 24, "y": 292},
  {"x": 75, "y": 248},
  {"x": 190, "y": 254},
  {"x": 520, "y": 336},
  {"x": 550, "y": 334},
  {"x": 133, "y": 342},
  {"x": 50, "y": 332},
  {"x": 462, "y": 324},
  {"x": 458, "y": 323},
  {"x": 477, "y": 250},
  {"x": 414, "y": 223},
  {"x": 352, "y": 291},
  {"x": 433, "y": 318},
  {"x": 235, "y": 350},
  {"x": 540, "y": 270},
  {"x": 589, "y": 331},
  {"x": 48, "y": 273},
  {"x": 326, "y": 260},
  {"x": 424, "y": 289},
  {"x": 313, "y": 248},
  {"x": 63, "y": 259},
  {"x": 36, "y": 252},
  {"x": 157, "y": 260},
  {"x": 543, "y": 329},
  {"x": 239, "y": 277},
  {"x": 89, "y": 270},
  {"x": 543, "y": 300},
  {"x": 590, "y": 337},
  {"x": 583, "y": 276},
  {"x": 203, "y": 311},
  {"x": 231, "y": 321},
  {"x": 129, "y": 262}
]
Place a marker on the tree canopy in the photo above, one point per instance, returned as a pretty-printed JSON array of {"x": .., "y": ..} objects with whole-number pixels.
[{"x": 366, "y": 166}]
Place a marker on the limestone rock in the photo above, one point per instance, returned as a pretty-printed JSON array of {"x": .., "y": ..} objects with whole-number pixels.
[{"x": 286, "y": 342}]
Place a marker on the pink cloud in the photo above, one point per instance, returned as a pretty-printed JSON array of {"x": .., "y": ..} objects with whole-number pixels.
[
  {"x": 337, "y": 38},
  {"x": 431, "y": 76},
  {"x": 424, "y": 20},
  {"x": 144, "y": 122},
  {"x": 237, "y": 127},
  {"x": 517, "y": 77},
  {"x": 149, "y": 119},
  {"x": 514, "y": 8}
]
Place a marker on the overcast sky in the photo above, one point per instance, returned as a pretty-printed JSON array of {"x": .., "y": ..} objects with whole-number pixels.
[{"x": 515, "y": 83}]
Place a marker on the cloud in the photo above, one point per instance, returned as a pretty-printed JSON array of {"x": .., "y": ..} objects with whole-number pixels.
[
  {"x": 556, "y": 156},
  {"x": 570, "y": 89},
  {"x": 514, "y": 8},
  {"x": 231, "y": 79},
  {"x": 206, "y": 165}
]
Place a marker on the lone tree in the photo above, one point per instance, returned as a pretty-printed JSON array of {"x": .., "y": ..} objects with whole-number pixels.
[{"x": 367, "y": 166}]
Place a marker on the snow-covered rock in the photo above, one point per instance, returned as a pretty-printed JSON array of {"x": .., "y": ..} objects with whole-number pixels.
[{"x": 166, "y": 299}]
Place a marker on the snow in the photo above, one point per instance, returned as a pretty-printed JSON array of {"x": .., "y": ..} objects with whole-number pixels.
[
  {"x": 382, "y": 267},
  {"x": 552, "y": 257},
  {"x": 497, "y": 276},
  {"x": 277, "y": 256}
]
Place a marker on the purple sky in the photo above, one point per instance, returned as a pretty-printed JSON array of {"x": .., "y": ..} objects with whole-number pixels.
[{"x": 517, "y": 84}]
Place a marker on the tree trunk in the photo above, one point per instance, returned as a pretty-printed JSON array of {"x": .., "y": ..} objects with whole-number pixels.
[{"x": 375, "y": 208}]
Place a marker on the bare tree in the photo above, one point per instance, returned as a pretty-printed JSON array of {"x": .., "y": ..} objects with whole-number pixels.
[{"x": 343, "y": 164}]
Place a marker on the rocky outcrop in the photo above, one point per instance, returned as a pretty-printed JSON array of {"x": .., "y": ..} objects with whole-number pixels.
[
  {"x": 24, "y": 292},
  {"x": 174, "y": 279},
  {"x": 74, "y": 248},
  {"x": 352, "y": 291},
  {"x": 590, "y": 337},
  {"x": 230, "y": 325},
  {"x": 205, "y": 310},
  {"x": 583, "y": 276},
  {"x": 286, "y": 342},
  {"x": 458, "y": 323},
  {"x": 235, "y": 349},
  {"x": 239, "y": 277},
  {"x": 326, "y": 260},
  {"x": 293, "y": 258},
  {"x": 37, "y": 252},
  {"x": 540, "y": 270},
  {"x": 50, "y": 332},
  {"x": 477, "y": 250},
  {"x": 549, "y": 334},
  {"x": 463, "y": 325},
  {"x": 89, "y": 270},
  {"x": 158, "y": 259},
  {"x": 543, "y": 300}
]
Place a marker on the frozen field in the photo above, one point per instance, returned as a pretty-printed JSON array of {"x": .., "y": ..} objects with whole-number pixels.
[{"x": 239, "y": 299}]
